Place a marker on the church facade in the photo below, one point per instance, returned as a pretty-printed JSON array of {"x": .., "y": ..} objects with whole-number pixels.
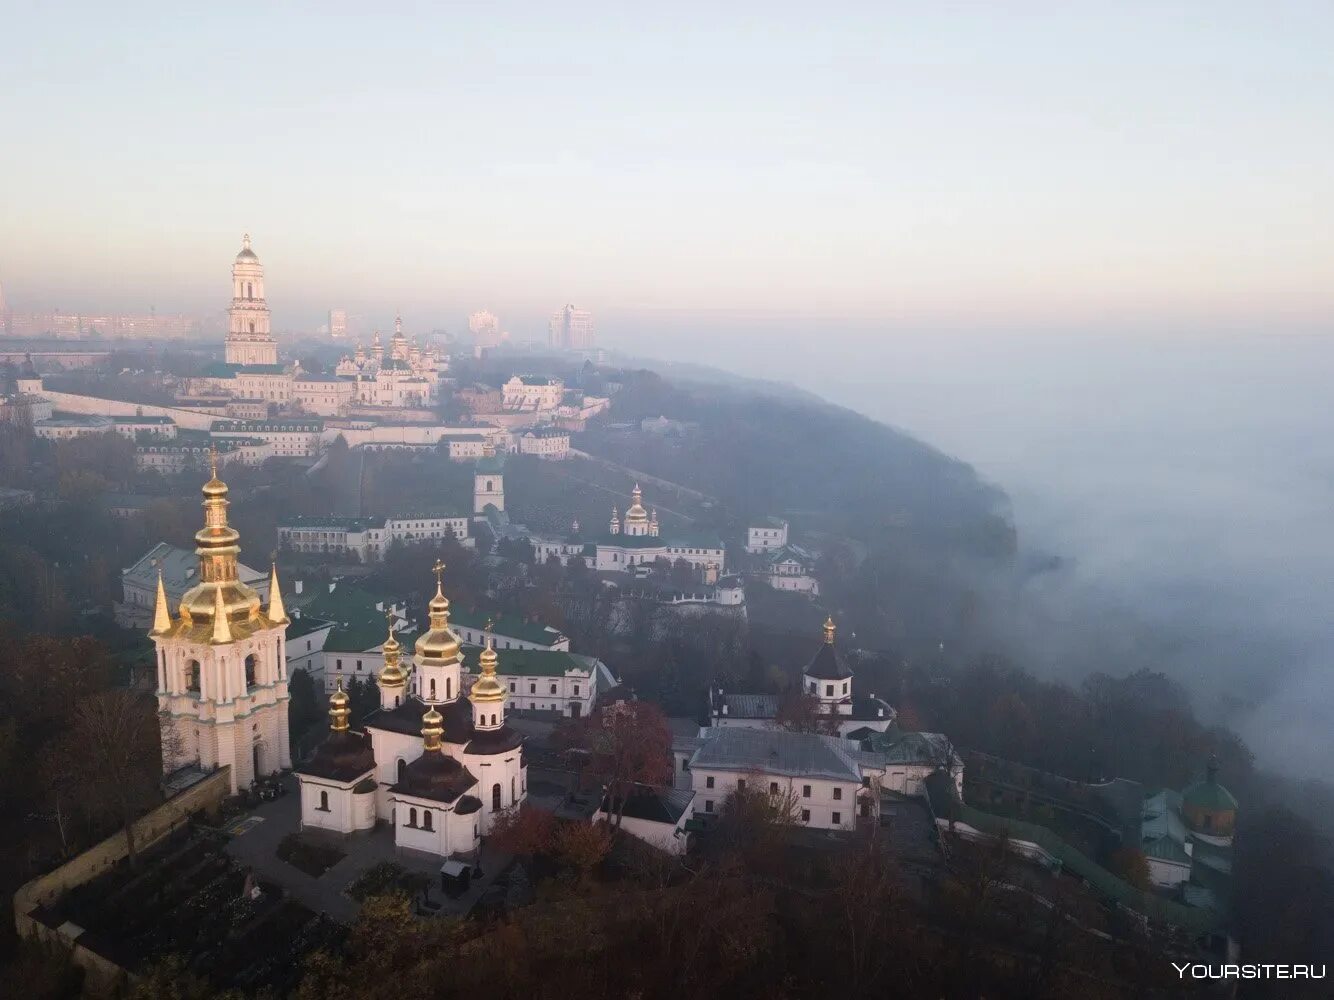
[
  {"x": 222, "y": 660},
  {"x": 436, "y": 765}
]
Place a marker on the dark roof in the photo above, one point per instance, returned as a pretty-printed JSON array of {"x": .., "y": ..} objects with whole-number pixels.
[
  {"x": 344, "y": 756},
  {"x": 407, "y": 719},
  {"x": 435, "y": 775},
  {"x": 827, "y": 664},
  {"x": 657, "y": 805},
  {"x": 468, "y": 804},
  {"x": 303, "y": 625},
  {"x": 494, "y": 741}
]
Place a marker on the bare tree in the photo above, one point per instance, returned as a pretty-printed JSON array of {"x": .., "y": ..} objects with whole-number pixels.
[{"x": 119, "y": 742}]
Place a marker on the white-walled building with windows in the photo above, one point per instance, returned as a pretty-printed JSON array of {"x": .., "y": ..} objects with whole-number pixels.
[
  {"x": 829, "y": 783},
  {"x": 766, "y": 535},
  {"x": 369, "y": 538},
  {"x": 566, "y": 684}
]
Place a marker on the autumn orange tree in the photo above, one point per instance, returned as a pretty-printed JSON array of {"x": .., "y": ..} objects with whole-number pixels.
[
  {"x": 525, "y": 831},
  {"x": 626, "y": 744}
]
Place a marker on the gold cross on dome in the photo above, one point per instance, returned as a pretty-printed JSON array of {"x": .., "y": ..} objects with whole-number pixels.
[{"x": 439, "y": 570}]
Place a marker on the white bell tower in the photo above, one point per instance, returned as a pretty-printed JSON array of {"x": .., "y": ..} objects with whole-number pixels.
[{"x": 249, "y": 341}]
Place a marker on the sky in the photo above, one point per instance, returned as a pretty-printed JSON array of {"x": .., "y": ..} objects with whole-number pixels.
[
  {"x": 1086, "y": 246},
  {"x": 878, "y": 167}
]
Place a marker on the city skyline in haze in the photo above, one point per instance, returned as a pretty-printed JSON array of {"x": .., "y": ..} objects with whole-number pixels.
[{"x": 1099, "y": 167}]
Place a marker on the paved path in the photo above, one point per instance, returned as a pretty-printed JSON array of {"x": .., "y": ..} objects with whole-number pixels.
[{"x": 257, "y": 848}]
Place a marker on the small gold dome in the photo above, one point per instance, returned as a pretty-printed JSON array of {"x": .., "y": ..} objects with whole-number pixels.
[
  {"x": 338, "y": 709},
  {"x": 488, "y": 687},
  {"x": 392, "y": 675},
  {"x": 433, "y": 727}
]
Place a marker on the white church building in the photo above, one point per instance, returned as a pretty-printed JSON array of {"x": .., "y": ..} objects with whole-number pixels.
[
  {"x": 222, "y": 660},
  {"x": 435, "y": 764}
]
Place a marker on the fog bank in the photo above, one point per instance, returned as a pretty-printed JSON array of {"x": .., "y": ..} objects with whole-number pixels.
[{"x": 1187, "y": 481}]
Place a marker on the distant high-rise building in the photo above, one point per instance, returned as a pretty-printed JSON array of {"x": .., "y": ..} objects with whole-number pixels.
[
  {"x": 485, "y": 328},
  {"x": 338, "y": 324},
  {"x": 249, "y": 341},
  {"x": 572, "y": 329}
]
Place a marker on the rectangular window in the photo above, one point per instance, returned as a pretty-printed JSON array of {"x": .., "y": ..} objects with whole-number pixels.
[
  {"x": 805, "y": 815},
  {"x": 553, "y": 689},
  {"x": 838, "y": 819},
  {"x": 805, "y": 791},
  {"x": 576, "y": 690},
  {"x": 829, "y": 690},
  {"x": 708, "y": 805},
  {"x": 532, "y": 689},
  {"x": 708, "y": 782},
  {"x": 773, "y": 788},
  {"x": 740, "y": 784},
  {"x": 338, "y": 664},
  {"x": 838, "y": 793},
  {"x": 866, "y": 781}
]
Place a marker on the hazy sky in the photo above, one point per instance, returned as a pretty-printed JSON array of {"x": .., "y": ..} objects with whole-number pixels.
[{"x": 977, "y": 165}]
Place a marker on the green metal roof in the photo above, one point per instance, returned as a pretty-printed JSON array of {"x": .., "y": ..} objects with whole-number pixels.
[
  {"x": 506, "y": 625},
  {"x": 542, "y": 662},
  {"x": 359, "y": 625}
]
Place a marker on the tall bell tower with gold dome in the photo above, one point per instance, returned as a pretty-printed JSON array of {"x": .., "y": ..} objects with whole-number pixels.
[
  {"x": 249, "y": 340},
  {"x": 222, "y": 660}
]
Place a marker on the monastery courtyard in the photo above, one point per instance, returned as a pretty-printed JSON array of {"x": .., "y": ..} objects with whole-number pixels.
[{"x": 255, "y": 836}]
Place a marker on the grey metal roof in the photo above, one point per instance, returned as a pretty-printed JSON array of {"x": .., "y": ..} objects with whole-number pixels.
[
  {"x": 774, "y": 751},
  {"x": 180, "y": 571},
  {"x": 751, "y": 706}
]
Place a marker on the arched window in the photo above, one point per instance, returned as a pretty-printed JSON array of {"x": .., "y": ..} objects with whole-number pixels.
[
  {"x": 250, "y": 671},
  {"x": 412, "y": 817},
  {"x": 192, "y": 676},
  {"x": 449, "y": 688},
  {"x": 433, "y": 689},
  {"x": 324, "y": 801},
  {"x": 513, "y": 797},
  {"x": 493, "y": 719},
  {"x": 252, "y": 326},
  {"x": 248, "y": 293},
  {"x": 488, "y": 486},
  {"x": 495, "y": 796},
  {"x": 426, "y": 819},
  {"x": 402, "y": 769}
]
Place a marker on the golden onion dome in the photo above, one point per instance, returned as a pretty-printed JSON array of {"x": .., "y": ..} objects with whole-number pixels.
[
  {"x": 433, "y": 727},
  {"x": 488, "y": 687},
  {"x": 339, "y": 709},
  {"x": 438, "y": 642},
  {"x": 635, "y": 513},
  {"x": 392, "y": 675},
  {"x": 216, "y": 544}
]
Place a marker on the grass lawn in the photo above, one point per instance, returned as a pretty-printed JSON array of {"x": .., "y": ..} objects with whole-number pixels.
[{"x": 312, "y": 858}]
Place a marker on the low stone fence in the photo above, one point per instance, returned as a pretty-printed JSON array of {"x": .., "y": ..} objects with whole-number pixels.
[{"x": 103, "y": 975}]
